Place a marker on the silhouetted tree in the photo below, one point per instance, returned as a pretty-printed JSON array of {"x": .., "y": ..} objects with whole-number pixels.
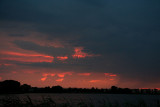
[
  {"x": 25, "y": 88},
  {"x": 47, "y": 89},
  {"x": 10, "y": 86},
  {"x": 57, "y": 89},
  {"x": 114, "y": 89}
]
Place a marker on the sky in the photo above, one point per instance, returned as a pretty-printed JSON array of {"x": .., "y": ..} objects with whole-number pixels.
[{"x": 81, "y": 43}]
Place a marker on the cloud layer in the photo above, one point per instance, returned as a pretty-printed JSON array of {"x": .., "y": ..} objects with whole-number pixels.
[{"x": 119, "y": 38}]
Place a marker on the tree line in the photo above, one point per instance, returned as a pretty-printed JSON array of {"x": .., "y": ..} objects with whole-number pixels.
[{"x": 12, "y": 86}]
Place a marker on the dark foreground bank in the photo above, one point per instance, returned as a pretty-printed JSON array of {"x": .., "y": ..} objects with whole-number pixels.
[{"x": 78, "y": 100}]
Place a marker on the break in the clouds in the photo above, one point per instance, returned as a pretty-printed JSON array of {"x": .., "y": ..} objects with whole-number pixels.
[{"x": 99, "y": 42}]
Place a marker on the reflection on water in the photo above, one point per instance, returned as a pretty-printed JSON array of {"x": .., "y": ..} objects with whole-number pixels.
[{"x": 95, "y": 99}]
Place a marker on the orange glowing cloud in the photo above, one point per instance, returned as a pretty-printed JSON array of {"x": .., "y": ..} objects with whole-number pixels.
[
  {"x": 29, "y": 71},
  {"x": 63, "y": 74},
  {"x": 93, "y": 81},
  {"x": 149, "y": 88},
  {"x": 60, "y": 75},
  {"x": 45, "y": 75},
  {"x": 43, "y": 79},
  {"x": 15, "y": 56},
  {"x": 80, "y": 54},
  {"x": 6, "y": 64},
  {"x": 28, "y": 60},
  {"x": 62, "y": 58},
  {"x": 106, "y": 74},
  {"x": 114, "y": 75},
  {"x": 48, "y": 74},
  {"x": 157, "y": 88},
  {"x": 59, "y": 80},
  {"x": 109, "y": 74},
  {"x": 84, "y": 74},
  {"x": 111, "y": 77},
  {"x": 0, "y": 78},
  {"x": 52, "y": 75},
  {"x": 14, "y": 72},
  {"x": 23, "y": 54}
]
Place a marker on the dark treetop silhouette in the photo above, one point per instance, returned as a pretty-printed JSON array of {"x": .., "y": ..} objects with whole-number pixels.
[{"x": 12, "y": 86}]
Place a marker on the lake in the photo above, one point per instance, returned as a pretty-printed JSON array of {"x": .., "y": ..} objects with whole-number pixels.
[{"x": 91, "y": 99}]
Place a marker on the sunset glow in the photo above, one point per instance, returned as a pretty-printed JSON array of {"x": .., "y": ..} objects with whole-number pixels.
[
  {"x": 63, "y": 74},
  {"x": 43, "y": 79},
  {"x": 84, "y": 74},
  {"x": 80, "y": 43},
  {"x": 113, "y": 75},
  {"x": 60, "y": 80},
  {"x": 62, "y": 58},
  {"x": 80, "y": 54},
  {"x": 93, "y": 81},
  {"x": 26, "y": 57}
]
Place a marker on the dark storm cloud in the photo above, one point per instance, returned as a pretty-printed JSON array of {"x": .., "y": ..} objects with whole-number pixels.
[
  {"x": 76, "y": 66},
  {"x": 16, "y": 35},
  {"x": 44, "y": 49},
  {"x": 87, "y": 63},
  {"x": 125, "y": 33}
]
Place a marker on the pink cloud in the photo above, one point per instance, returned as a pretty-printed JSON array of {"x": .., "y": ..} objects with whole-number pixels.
[
  {"x": 52, "y": 75},
  {"x": 110, "y": 74},
  {"x": 93, "y": 81},
  {"x": 64, "y": 73},
  {"x": 29, "y": 71},
  {"x": 106, "y": 74},
  {"x": 45, "y": 75},
  {"x": 80, "y": 54},
  {"x": 113, "y": 75},
  {"x": 14, "y": 72},
  {"x": 84, "y": 74},
  {"x": 6, "y": 64},
  {"x": 26, "y": 57},
  {"x": 59, "y": 80},
  {"x": 43, "y": 79},
  {"x": 61, "y": 75},
  {"x": 62, "y": 58}
]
